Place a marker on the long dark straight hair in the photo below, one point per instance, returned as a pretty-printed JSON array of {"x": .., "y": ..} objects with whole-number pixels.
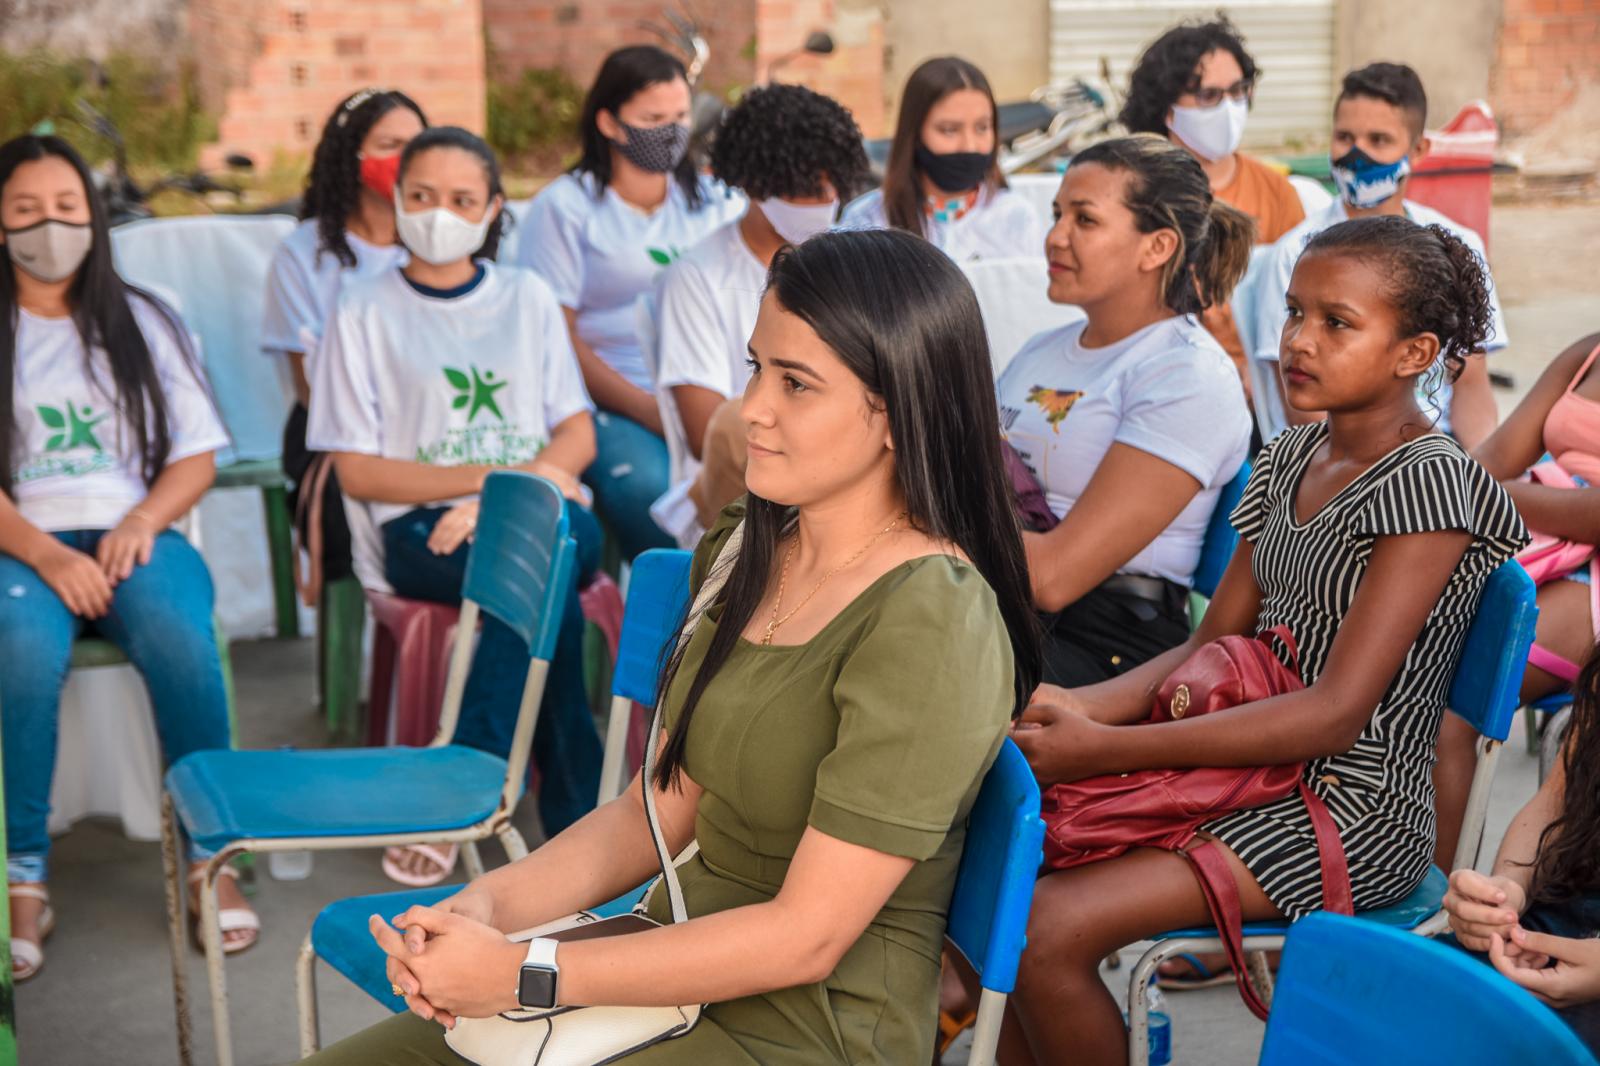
[
  {"x": 625, "y": 72},
  {"x": 931, "y": 82},
  {"x": 905, "y": 321},
  {"x": 333, "y": 188},
  {"x": 1567, "y": 866},
  {"x": 102, "y": 311}
]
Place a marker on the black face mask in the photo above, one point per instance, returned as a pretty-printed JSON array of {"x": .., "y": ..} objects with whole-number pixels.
[{"x": 954, "y": 171}]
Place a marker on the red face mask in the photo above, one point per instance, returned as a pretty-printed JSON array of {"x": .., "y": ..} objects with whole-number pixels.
[{"x": 379, "y": 173}]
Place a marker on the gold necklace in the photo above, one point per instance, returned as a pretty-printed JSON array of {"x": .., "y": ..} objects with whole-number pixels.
[{"x": 783, "y": 577}]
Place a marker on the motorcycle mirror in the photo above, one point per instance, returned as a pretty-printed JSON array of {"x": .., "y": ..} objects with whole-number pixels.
[
  {"x": 237, "y": 161},
  {"x": 820, "y": 43}
]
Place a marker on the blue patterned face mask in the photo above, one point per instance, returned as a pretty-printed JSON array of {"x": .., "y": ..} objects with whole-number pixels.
[{"x": 1364, "y": 182}]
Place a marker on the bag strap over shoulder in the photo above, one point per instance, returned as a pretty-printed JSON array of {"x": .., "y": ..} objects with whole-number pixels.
[{"x": 716, "y": 577}]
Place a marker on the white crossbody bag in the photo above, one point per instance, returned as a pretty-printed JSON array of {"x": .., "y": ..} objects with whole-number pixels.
[{"x": 592, "y": 1036}]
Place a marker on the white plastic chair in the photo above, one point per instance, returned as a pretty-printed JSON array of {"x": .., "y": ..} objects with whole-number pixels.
[
  {"x": 1266, "y": 398},
  {"x": 1013, "y": 296},
  {"x": 1039, "y": 190}
]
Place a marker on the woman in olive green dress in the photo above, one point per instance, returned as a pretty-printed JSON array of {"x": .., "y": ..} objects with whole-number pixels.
[{"x": 828, "y": 724}]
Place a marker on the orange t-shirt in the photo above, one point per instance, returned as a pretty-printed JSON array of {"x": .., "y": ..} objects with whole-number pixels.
[{"x": 1266, "y": 196}]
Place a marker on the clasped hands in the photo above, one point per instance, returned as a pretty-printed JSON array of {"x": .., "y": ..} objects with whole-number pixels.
[
  {"x": 85, "y": 583},
  {"x": 1486, "y": 915},
  {"x": 1059, "y": 739},
  {"x": 449, "y": 960}
]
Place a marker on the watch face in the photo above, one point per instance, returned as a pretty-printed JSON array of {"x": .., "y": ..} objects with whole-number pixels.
[{"x": 537, "y": 988}]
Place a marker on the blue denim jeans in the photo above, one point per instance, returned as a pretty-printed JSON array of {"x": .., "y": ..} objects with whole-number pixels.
[
  {"x": 629, "y": 473},
  {"x": 161, "y": 619},
  {"x": 566, "y": 747}
]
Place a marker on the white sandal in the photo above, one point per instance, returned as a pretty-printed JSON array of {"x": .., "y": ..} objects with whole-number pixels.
[
  {"x": 443, "y": 857},
  {"x": 229, "y": 920},
  {"x": 27, "y": 956}
]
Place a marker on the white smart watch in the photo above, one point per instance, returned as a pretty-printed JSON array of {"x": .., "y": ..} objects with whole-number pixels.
[{"x": 536, "y": 982}]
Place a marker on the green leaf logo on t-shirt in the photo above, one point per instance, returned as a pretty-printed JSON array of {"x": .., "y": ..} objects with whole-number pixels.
[
  {"x": 664, "y": 256},
  {"x": 75, "y": 430},
  {"x": 476, "y": 393}
]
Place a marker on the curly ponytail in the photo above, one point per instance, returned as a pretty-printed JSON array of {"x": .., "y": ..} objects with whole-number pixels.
[
  {"x": 1434, "y": 280},
  {"x": 1168, "y": 190}
]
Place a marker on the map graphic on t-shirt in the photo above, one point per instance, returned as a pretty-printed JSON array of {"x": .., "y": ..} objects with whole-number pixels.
[
  {"x": 76, "y": 430},
  {"x": 476, "y": 392},
  {"x": 1055, "y": 403}
]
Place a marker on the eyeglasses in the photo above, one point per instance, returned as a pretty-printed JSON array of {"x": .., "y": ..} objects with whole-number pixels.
[{"x": 1243, "y": 89}]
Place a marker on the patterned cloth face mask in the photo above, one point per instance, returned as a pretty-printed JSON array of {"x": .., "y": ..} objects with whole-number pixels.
[{"x": 657, "y": 149}]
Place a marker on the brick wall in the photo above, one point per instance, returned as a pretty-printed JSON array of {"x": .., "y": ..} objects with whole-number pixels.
[
  {"x": 575, "y": 35},
  {"x": 273, "y": 69},
  {"x": 745, "y": 37},
  {"x": 1547, "y": 50}
]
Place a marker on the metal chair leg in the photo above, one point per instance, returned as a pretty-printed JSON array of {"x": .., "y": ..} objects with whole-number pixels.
[
  {"x": 305, "y": 992},
  {"x": 986, "y": 1033},
  {"x": 471, "y": 858},
  {"x": 177, "y": 916},
  {"x": 1260, "y": 975},
  {"x": 512, "y": 841},
  {"x": 211, "y": 936}
]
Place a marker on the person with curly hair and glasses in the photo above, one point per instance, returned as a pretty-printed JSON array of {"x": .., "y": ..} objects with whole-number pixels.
[
  {"x": 1195, "y": 85},
  {"x": 797, "y": 156},
  {"x": 346, "y": 231},
  {"x": 1536, "y": 914}
]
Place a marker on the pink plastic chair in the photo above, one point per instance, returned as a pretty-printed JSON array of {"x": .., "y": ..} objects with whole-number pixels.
[{"x": 411, "y": 648}]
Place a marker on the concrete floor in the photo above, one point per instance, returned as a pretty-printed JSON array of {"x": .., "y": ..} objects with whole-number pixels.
[{"x": 104, "y": 995}]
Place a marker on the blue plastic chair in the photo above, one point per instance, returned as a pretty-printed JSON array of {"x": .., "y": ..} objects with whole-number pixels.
[
  {"x": 1351, "y": 993},
  {"x": 658, "y": 596},
  {"x": 1216, "y": 550},
  {"x": 520, "y": 570},
  {"x": 1484, "y": 692},
  {"x": 994, "y": 889}
]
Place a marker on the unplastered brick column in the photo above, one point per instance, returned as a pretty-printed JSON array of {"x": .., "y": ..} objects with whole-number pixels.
[
  {"x": 1548, "y": 50},
  {"x": 574, "y": 36},
  {"x": 853, "y": 74},
  {"x": 273, "y": 69}
]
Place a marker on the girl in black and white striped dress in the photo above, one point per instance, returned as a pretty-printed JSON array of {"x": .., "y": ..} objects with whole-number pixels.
[{"x": 1370, "y": 536}]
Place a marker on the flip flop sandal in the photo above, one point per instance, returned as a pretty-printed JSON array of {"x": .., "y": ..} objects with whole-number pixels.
[
  {"x": 951, "y": 1027},
  {"x": 27, "y": 956},
  {"x": 1202, "y": 977},
  {"x": 229, "y": 920},
  {"x": 444, "y": 858}
]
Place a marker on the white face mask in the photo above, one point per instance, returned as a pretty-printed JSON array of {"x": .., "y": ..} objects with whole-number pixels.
[
  {"x": 1213, "y": 132},
  {"x": 795, "y": 222},
  {"x": 438, "y": 235},
  {"x": 51, "y": 250}
]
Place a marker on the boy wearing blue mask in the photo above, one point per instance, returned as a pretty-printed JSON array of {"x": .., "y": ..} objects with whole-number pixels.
[{"x": 1378, "y": 140}]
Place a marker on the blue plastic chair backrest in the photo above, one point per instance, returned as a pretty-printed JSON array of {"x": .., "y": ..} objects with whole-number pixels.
[
  {"x": 521, "y": 563},
  {"x": 1353, "y": 993},
  {"x": 1489, "y": 677},
  {"x": 658, "y": 597},
  {"x": 1221, "y": 537},
  {"x": 994, "y": 886}
]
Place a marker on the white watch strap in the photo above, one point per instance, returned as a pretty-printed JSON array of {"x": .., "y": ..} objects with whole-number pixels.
[{"x": 541, "y": 952}]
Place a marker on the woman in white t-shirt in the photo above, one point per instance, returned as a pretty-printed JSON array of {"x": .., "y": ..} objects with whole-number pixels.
[
  {"x": 1132, "y": 420},
  {"x": 943, "y": 179},
  {"x": 346, "y": 231},
  {"x": 109, "y": 439},
  {"x": 432, "y": 375},
  {"x": 795, "y": 154},
  {"x": 599, "y": 235}
]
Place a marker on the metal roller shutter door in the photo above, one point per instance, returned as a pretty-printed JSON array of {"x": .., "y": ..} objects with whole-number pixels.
[{"x": 1292, "y": 41}]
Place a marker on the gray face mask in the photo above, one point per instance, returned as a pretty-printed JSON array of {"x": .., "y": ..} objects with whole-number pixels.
[{"x": 51, "y": 250}]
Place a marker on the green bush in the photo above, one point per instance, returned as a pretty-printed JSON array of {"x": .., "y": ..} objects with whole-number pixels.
[
  {"x": 534, "y": 115},
  {"x": 157, "y": 111}
]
